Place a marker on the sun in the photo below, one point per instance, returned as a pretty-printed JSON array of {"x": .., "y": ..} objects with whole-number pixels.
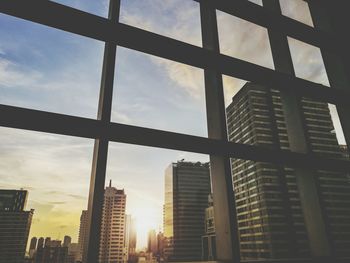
[{"x": 146, "y": 218}]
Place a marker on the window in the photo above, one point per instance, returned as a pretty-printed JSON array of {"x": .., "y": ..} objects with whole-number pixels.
[{"x": 231, "y": 87}]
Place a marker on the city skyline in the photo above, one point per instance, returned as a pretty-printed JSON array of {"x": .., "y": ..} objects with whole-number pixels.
[{"x": 176, "y": 103}]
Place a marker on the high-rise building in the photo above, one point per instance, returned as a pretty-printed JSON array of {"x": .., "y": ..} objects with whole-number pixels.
[
  {"x": 32, "y": 247},
  {"x": 14, "y": 225},
  {"x": 66, "y": 241},
  {"x": 269, "y": 213},
  {"x": 127, "y": 230},
  {"x": 187, "y": 186},
  {"x": 133, "y": 237},
  {"x": 129, "y": 239},
  {"x": 47, "y": 242},
  {"x": 40, "y": 242},
  {"x": 13, "y": 200},
  {"x": 83, "y": 233},
  {"x": 52, "y": 252},
  {"x": 152, "y": 242},
  {"x": 160, "y": 247},
  {"x": 73, "y": 253},
  {"x": 55, "y": 243},
  {"x": 113, "y": 225},
  {"x": 208, "y": 240}
]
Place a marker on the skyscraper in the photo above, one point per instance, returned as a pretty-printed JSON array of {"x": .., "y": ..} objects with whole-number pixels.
[
  {"x": 83, "y": 231},
  {"x": 129, "y": 239},
  {"x": 187, "y": 186},
  {"x": 152, "y": 242},
  {"x": 40, "y": 242},
  {"x": 13, "y": 200},
  {"x": 53, "y": 251},
  {"x": 32, "y": 247},
  {"x": 14, "y": 225},
  {"x": 113, "y": 225},
  {"x": 160, "y": 246},
  {"x": 66, "y": 241},
  {"x": 270, "y": 217},
  {"x": 47, "y": 242}
]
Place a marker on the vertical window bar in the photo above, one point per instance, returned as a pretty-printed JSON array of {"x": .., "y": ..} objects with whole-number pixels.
[
  {"x": 98, "y": 173},
  {"x": 227, "y": 241},
  {"x": 334, "y": 67},
  {"x": 314, "y": 218}
]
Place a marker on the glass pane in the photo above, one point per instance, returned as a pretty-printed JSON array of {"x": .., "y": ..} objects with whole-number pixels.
[
  {"x": 269, "y": 212},
  {"x": 258, "y": 2},
  {"x": 244, "y": 40},
  {"x": 157, "y": 93},
  {"x": 324, "y": 129},
  {"x": 308, "y": 62},
  {"x": 298, "y": 10},
  {"x": 164, "y": 194},
  {"x": 49, "y": 174},
  {"x": 47, "y": 69},
  {"x": 178, "y": 19},
  {"x": 255, "y": 115},
  {"x": 96, "y": 7}
]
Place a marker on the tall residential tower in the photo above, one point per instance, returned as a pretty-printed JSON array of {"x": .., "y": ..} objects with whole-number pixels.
[
  {"x": 113, "y": 226},
  {"x": 269, "y": 212}
]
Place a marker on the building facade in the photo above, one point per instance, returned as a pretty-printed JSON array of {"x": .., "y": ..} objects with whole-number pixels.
[
  {"x": 113, "y": 226},
  {"x": 270, "y": 217},
  {"x": 152, "y": 242},
  {"x": 52, "y": 252},
  {"x": 14, "y": 225},
  {"x": 187, "y": 186},
  {"x": 83, "y": 231}
]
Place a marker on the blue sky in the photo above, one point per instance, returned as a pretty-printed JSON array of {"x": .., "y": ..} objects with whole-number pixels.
[{"x": 51, "y": 70}]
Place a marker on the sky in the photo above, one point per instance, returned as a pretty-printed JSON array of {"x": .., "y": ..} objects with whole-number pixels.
[{"x": 51, "y": 70}]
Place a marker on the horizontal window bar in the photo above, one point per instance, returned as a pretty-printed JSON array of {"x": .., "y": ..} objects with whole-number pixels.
[
  {"x": 15, "y": 117},
  {"x": 79, "y": 22}
]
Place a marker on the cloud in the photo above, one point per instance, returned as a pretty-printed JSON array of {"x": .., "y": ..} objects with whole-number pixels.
[
  {"x": 79, "y": 197},
  {"x": 12, "y": 74},
  {"x": 298, "y": 10},
  {"x": 188, "y": 78}
]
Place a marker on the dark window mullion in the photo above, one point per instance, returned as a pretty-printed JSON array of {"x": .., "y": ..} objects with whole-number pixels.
[
  {"x": 98, "y": 173},
  {"x": 307, "y": 182},
  {"x": 333, "y": 63},
  {"x": 227, "y": 241}
]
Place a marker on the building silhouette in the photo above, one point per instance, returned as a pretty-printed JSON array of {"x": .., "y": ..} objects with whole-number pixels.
[
  {"x": 130, "y": 239},
  {"x": 32, "y": 247},
  {"x": 83, "y": 233},
  {"x": 152, "y": 242},
  {"x": 113, "y": 226},
  {"x": 187, "y": 186},
  {"x": 66, "y": 241},
  {"x": 47, "y": 241},
  {"x": 40, "y": 242},
  {"x": 208, "y": 240},
  {"x": 52, "y": 252},
  {"x": 160, "y": 246},
  {"x": 15, "y": 224},
  {"x": 73, "y": 253},
  {"x": 270, "y": 217}
]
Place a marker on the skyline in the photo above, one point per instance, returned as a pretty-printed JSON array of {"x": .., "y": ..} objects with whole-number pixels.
[{"x": 174, "y": 101}]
